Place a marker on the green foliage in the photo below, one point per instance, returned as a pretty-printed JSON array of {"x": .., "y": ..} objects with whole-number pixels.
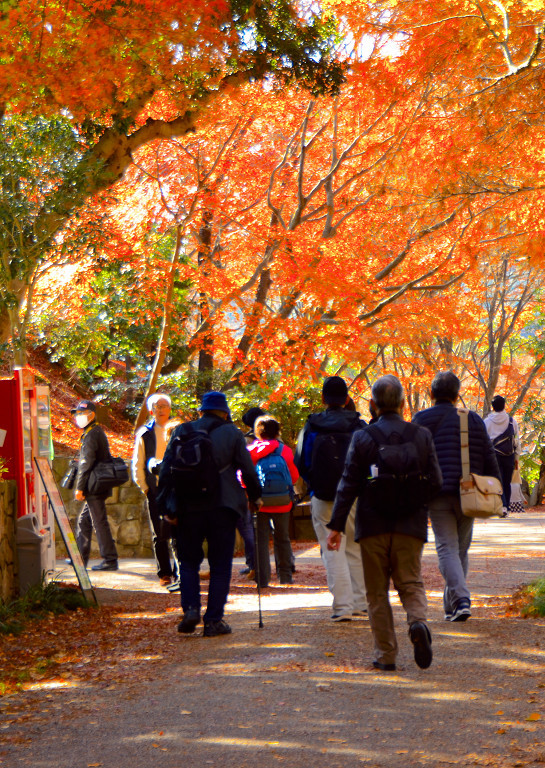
[
  {"x": 39, "y": 177},
  {"x": 39, "y": 601},
  {"x": 301, "y": 49},
  {"x": 534, "y": 594},
  {"x": 533, "y": 438},
  {"x": 119, "y": 321},
  {"x": 291, "y": 411}
]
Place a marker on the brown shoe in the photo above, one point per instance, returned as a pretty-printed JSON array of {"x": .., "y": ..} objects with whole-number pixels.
[{"x": 164, "y": 581}]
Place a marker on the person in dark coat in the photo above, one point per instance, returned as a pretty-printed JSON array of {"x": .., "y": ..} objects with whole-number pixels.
[
  {"x": 391, "y": 541},
  {"x": 321, "y": 449},
  {"x": 212, "y": 520},
  {"x": 93, "y": 448},
  {"x": 451, "y": 528}
]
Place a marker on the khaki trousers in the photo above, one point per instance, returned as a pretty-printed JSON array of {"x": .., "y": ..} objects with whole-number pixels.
[{"x": 395, "y": 556}]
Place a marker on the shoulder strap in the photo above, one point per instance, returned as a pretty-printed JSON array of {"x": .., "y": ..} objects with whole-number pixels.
[
  {"x": 375, "y": 432},
  {"x": 464, "y": 441}
]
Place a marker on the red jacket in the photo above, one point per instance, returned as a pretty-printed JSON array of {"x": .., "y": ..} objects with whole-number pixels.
[{"x": 261, "y": 448}]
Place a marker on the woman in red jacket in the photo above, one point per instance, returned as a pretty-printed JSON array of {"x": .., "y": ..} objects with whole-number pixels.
[{"x": 277, "y": 473}]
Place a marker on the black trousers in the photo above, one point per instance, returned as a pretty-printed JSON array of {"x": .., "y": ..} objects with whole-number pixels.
[
  {"x": 506, "y": 465},
  {"x": 162, "y": 537}
]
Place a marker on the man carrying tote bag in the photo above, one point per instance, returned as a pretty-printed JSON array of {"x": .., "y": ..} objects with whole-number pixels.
[{"x": 452, "y": 529}]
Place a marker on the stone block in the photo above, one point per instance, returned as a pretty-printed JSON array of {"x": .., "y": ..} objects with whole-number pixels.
[
  {"x": 129, "y": 533},
  {"x": 130, "y": 494}
]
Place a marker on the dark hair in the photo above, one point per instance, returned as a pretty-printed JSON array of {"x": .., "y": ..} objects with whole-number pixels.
[
  {"x": 334, "y": 391},
  {"x": 251, "y": 415},
  {"x": 445, "y": 386},
  {"x": 498, "y": 403},
  {"x": 266, "y": 428},
  {"x": 350, "y": 405},
  {"x": 387, "y": 393}
]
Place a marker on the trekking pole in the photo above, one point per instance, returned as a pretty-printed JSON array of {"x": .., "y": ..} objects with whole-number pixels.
[{"x": 257, "y": 573}]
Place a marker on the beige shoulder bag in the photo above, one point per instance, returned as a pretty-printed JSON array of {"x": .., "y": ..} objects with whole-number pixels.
[{"x": 480, "y": 495}]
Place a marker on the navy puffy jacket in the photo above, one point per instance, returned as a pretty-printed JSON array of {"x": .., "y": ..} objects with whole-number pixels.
[{"x": 444, "y": 423}]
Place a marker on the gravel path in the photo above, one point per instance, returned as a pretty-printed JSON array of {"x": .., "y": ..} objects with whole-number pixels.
[{"x": 300, "y": 691}]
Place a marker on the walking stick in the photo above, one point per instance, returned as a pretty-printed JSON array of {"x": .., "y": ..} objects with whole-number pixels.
[{"x": 257, "y": 573}]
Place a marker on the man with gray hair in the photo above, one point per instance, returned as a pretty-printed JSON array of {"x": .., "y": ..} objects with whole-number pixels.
[
  {"x": 392, "y": 468},
  {"x": 451, "y": 528},
  {"x": 149, "y": 447}
]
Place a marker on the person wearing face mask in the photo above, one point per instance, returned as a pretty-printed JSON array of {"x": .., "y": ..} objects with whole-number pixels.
[{"x": 93, "y": 448}]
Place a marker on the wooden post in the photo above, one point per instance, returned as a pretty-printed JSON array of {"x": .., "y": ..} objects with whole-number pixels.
[{"x": 9, "y": 583}]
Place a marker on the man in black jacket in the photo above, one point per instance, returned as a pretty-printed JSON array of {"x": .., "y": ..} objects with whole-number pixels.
[
  {"x": 93, "y": 448},
  {"x": 214, "y": 517},
  {"x": 321, "y": 450},
  {"x": 391, "y": 539},
  {"x": 451, "y": 528}
]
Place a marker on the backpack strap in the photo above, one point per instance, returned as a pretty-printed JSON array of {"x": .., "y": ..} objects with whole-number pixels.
[{"x": 375, "y": 432}]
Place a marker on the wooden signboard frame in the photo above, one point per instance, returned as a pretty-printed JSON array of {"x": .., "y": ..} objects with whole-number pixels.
[{"x": 65, "y": 528}]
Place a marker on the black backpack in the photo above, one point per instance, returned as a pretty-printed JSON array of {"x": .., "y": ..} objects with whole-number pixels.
[
  {"x": 194, "y": 473},
  {"x": 397, "y": 485},
  {"x": 504, "y": 444},
  {"x": 327, "y": 462}
]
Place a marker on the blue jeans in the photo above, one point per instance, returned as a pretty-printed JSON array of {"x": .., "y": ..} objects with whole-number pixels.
[
  {"x": 218, "y": 527},
  {"x": 453, "y": 532}
]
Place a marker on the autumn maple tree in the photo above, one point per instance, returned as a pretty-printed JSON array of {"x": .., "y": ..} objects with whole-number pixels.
[{"x": 125, "y": 73}]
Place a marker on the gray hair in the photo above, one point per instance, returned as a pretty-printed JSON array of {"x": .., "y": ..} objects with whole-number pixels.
[
  {"x": 387, "y": 393},
  {"x": 153, "y": 399}
]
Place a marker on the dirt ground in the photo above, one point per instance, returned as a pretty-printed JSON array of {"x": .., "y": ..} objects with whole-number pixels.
[{"x": 120, "y": 688}]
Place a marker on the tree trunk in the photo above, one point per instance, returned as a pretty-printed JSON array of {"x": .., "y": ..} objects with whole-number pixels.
[
  {"x": 162, "y": 344},
  {"x": 205, "y": 378}
]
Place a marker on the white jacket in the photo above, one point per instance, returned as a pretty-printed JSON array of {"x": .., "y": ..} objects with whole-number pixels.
[{"x": 497, "y": 422}]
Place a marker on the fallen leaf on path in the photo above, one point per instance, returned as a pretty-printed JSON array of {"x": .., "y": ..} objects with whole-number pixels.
[{"x": 533, "y": 717}]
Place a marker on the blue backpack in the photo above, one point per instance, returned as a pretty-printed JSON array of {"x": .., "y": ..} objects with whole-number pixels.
[{"x": 275, "y": 479}]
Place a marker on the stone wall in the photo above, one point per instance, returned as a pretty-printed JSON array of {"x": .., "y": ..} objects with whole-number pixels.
[
  {"x": 9, "y": 584},
  {"x": 130, "y": 523},
  {"x": 126, "y": 512}
]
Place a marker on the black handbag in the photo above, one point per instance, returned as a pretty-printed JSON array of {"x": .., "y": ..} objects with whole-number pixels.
[{"x": 106, "y": 475}]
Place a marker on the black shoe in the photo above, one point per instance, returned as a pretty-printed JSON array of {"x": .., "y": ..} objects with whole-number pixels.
[
  {"x": 289, "y": 580},
  {"x": 190, "y": 620},
  {"x": 384, "y": 667},
  {"x": 245, "y": 571},
  {"x": 174, "y": 587},
  {"x": 213, "y": 628},
  {"x": 421, "y": 639},
  {"x": 105, "y": 566},
  {"x": 462, "y": 612}
]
